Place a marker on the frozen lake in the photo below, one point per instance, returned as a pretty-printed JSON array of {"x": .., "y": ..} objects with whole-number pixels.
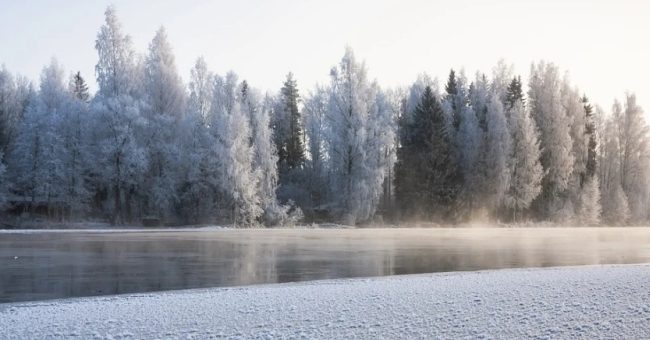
[{"x": 46, "y": 265}]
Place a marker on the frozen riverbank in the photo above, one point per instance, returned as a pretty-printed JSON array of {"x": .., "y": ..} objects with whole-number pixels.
[{"x": 594, "y": 301}]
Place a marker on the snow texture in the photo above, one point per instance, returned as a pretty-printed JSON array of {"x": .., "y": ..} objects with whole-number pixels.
[{"x": 568, "y": 302}]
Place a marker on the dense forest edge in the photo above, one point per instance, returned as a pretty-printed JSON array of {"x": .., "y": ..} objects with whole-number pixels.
[{"x": 148, "y": 149}]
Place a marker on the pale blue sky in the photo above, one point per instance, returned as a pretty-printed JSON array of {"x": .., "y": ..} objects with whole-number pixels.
[{"x": 604, "y": 44}]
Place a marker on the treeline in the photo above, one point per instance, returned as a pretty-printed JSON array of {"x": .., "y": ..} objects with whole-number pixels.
[{"x": 148, "y": 146}]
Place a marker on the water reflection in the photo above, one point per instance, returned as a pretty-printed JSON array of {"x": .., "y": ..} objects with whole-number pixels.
[{"x": 54, "y": 265}]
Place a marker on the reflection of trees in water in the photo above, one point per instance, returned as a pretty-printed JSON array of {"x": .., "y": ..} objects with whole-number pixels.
[{"x": 59, "y": 265}]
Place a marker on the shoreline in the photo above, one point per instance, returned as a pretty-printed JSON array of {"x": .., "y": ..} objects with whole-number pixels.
[{"x": 556, "y": 302}]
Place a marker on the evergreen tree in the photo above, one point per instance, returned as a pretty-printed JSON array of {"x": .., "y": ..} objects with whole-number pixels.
[
  {"x": 79, "y": 88},
  {"x": 295, "y": 153},
  {"x": 427, "y": 178},
  {"x": 452, "y": 93},
  {"x": 515, "y": 93},
  {"x": 590, "y": 130}
]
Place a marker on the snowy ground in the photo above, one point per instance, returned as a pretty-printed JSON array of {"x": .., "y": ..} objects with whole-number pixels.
[{"x": 569, "y": 302}]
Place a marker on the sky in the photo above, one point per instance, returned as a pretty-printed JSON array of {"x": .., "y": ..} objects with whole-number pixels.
[{"x": 604, "y": 45}]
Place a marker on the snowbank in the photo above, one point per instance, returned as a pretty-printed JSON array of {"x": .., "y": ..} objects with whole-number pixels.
[{"x": 569, "y": 302}]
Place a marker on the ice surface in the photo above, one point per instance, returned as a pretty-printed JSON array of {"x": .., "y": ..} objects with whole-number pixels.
[{"x": 567, "y": 302}]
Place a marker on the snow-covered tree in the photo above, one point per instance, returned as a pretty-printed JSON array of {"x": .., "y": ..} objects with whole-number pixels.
[
  {"x": 356, "y": 175},
  {"x": 37, "y": 157},
  {"x": 498, "y": 145},
  {"x": 634, "y": 153},
  {"x": 117, "y": 110},
  {"x": 165, "y": 100},
  {"x": 315, "y": 113},
  {"x": 116, "y": 64},
  {"x": 238, "y": 180},
  {"x": 201, "y": 88},
  {"x": 545, "y": 100},
  {"x": 525, "y": 169},
  {"x": 589, "y": 203},
  {"x": 15, "y": 94}
]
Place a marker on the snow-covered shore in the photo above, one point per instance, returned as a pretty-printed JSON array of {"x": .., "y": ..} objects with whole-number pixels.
[{"x": 567, "y": 302}]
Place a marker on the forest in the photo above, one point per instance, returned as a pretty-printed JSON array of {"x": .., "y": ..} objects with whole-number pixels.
[{"x": 149, "y": 147}]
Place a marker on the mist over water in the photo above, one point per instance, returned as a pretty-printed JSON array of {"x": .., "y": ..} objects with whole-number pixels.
[{"x": 54, "y": 265}]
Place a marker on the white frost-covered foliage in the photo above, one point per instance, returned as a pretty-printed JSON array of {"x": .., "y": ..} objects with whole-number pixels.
[
  {"x": 118, "y": 122},
  {"x": 3, "y": 180},
  {"x": 38, "y": 153},
  {"x": 354, "y": 118},
  {"x": 525, "y": 168},
  {"x": 215, "y": 150},
  {"x": 498, "y": 150},
  {"x": 633, "y": 148},
  {"x": 315, "y": 113},
  {"x": 545, "y": 102},
  {"x": 238, "y": 179},
  {"x": 201, "y": 89},
  {"x": 164, "y": 98},
  {"x": 589, "y": 203}
]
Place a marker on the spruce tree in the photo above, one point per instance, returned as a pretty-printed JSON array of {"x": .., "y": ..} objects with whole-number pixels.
[
  {"x": 452, "y": 93},
  {"x": 79, "y": 88},
  {"x": 427, "y": 178},
  {"x": 294, "y": 152},
  {"x": 590, "y": 130},
  {"x": 514, "y": 93}
]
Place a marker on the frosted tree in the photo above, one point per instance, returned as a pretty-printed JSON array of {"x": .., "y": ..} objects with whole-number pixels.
[
  {"x": 265, "y": 156},
  {"x": 116, "y": 64},
  {"x": 354, "y": 173},
  {"x": 575, "y": 113},
  {"x": 37, "y": 157},
  {"x": 498, "y": 150},
  {"x": 380, "y": 149},
  {"x": 545, "y": 100},
  {"x": 455, "y": 99},
  {"x": 3, "y": 181},
  {"x": 470, "y": 137},
  {"x": 165, "y": 99},
  {"x": 201, "y": 88},
  {"x": 315, "y": 113},
  {"x": 589, "y": 208},
  {"x": 15, "y": 94},
  {"x": 165, "y": 92},
  {"x": 525, "y": 168},
  {"x": 75, "y": 134},
  {"x": 238, "y": 180},
  {"x": 78, "y": 88},
  {"x": 199, "y": 165},
  {"x": 413, "y": 98},
  {"x": 633, "y": 149},
  {"x": 122, "y": 159},
  {"x": 514, "y": 93},
  {"x": 502, "y": 74}
]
